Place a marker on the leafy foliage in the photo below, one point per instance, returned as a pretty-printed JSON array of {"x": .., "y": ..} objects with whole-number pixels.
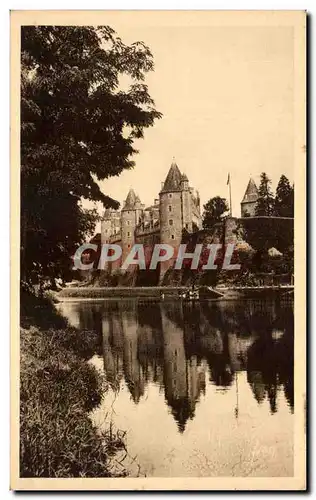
[
  {"x": 77, "y": 127},
  {"x": 264, "y": 233},
  {"x": 265, "y": 203},
  {"x": 57, "y": 390},
  {"x": 214, "y": 210},
  {"x": 267, "y": 232}
]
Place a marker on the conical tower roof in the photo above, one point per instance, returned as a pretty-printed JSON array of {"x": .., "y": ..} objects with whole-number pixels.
[
  {"x": 173, "y": 179},
  {"x": 251, "y": 194},
  {"x": 184, "y": 177},
  {"x": 107, "y": 213},
  {"x": 130, "y": 199}
]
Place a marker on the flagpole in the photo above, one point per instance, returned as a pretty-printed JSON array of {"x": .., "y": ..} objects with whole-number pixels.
[{"x": 230, "y": 196}]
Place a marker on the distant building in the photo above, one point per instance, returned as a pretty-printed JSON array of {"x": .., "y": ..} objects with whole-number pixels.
[{"x": 249, "y": 201}]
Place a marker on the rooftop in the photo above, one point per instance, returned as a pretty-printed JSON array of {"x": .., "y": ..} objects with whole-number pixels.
[
  {"x": 173, "y": 179},
  {"x": 131, "y": 200},
  {"x": 251, "y": 193}
]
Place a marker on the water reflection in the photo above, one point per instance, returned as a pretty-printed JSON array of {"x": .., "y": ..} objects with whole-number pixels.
[{"x": 182, "y": 347}]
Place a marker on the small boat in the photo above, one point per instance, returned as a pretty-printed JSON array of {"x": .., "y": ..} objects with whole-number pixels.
[{"x": 208, "y": 292}]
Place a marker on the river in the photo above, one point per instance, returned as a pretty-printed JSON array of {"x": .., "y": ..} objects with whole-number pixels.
[{"x": 201, "y": 389}]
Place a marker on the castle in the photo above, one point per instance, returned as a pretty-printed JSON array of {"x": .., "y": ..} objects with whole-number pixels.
[{"x": 177, "y": 209}]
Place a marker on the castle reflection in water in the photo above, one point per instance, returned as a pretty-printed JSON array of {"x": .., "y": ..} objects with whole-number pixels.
[{"x": 184, "y": 346}]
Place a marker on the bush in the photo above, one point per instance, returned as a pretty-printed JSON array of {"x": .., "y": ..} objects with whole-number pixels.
[{"x": 58, "y": 389}]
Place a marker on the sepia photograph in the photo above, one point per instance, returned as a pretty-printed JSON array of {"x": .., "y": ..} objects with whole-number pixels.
[{"x": 158, "y": 163}]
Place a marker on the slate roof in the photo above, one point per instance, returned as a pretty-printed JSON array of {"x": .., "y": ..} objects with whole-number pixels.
[
  {"x": 251, "y": 194},
  {"x": 173, "y": 179},
  {"x": 131, "y": 200}
]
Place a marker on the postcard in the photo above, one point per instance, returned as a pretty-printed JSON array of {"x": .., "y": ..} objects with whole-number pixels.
[{"x": 158, "y": 250}]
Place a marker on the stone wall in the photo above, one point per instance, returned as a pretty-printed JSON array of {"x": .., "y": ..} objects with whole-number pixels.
[{"x": 232, "y": 230}]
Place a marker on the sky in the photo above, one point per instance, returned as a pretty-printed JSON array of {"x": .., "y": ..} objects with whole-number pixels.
[{"x": 226, "y": 95}]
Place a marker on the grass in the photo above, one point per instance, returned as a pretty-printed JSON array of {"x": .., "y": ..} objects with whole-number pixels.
[{"x": 58, "y": 389}]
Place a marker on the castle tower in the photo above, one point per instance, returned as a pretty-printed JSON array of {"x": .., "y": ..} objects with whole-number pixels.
[
  {"x": 249, "y": 201},
  {"x": 170, "y": 212},
  {"x": 110, "y": 231},
  {"x": 178, "y": 209},
  {"x": 129, "y": 219},
  {"x": 186, "y": 203},
  {"x": 106, "y": 227}
]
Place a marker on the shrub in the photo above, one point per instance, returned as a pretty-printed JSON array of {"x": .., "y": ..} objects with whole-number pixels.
[{"x": 58, "y": 389}]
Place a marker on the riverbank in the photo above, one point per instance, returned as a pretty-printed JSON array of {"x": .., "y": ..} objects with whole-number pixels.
[
  {"x": 118, "y": 292},
  {"x": 58, "y": 390},
  {"x": 156, "y": 292}
]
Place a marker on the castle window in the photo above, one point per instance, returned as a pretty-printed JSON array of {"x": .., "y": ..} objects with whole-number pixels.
[
  {"x": 170, "y": 195},
  {"x": 128, "y": 246},
  {"x": 128, "y": 234},
  {"x": 170, "y": 222},
  {"x": 170, "y": 208},
  {"x": 127, "y": 222},
  {"x": 186, "y": 225},
  {"x": 172, "y": 236}
]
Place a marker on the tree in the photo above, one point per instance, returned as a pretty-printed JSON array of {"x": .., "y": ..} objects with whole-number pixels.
[
  {"x": 214, "y": 210},
  {"x": 284, "y": 198},
  {"x": 268, "y": 233},
  {"x": 265, "y": 203},
  {"x": 78, "y": 127}
]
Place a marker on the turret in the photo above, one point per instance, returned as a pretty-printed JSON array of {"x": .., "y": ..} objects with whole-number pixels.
[
  {"x": 129, "y": 220},
  {"x": 198, "y": 200},
  {"x": 186, "y": 203},
  {"x": 249, "y": 201},
  {"x": 106, "y": 227},
  {"x": 184, "y": 183}
]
